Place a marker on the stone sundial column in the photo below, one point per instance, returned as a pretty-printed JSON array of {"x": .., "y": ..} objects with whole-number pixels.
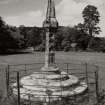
[
  {"x": 50, "y": 84},
  {"x": 50, "y": 25},
  {"x": 47, "y": 49}
]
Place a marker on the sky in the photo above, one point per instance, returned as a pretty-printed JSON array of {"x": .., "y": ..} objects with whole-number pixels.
[{"x": 33, "y": 12}]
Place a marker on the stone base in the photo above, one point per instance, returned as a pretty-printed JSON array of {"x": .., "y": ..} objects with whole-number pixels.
[
  {"x": 50, "y": 69},
  {"x": 51, "y": 80}
]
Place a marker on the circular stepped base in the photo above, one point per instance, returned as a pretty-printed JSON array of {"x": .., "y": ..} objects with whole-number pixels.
[
  {"x": 41, "y": 95},
  {"x": 57, "y": 83}
]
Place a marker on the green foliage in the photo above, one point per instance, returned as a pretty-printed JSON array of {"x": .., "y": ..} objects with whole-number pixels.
[
  {"x": 6, "y": 40},
  {"x": 34, "y": 37},
  {"x": 91, "y": 19},
  {"x": 24, "y": 32},
  {"x": 59, "y": 37},
  {"x": 98, "y": 44},
  {"x": 82, "y": 35},
  {"x": 18, "y": 38}
]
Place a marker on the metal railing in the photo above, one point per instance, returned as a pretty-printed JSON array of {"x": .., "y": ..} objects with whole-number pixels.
[{"x": 83, "y": 71}]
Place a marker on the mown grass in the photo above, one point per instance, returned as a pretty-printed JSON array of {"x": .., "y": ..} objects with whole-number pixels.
[
  {"x": 75, "y": 60},
  {"x": 61, "y": 57}
]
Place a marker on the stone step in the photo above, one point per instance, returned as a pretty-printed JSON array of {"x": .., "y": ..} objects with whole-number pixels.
[
  {"x": 77, "y": 90},
  {"x": 28, "y": 82}
]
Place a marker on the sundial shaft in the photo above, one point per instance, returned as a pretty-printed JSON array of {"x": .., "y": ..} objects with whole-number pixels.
[
  {"x": 50, "y": 24},
  {"x": 47, "y": 49}
]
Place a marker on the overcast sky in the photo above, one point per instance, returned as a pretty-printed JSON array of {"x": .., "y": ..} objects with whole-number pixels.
[{"x": 32, "y": 12}]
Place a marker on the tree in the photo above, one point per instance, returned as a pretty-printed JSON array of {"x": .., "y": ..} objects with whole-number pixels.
[
  {"x": 18, "y": 37},
  {"x": 91, "y": 20},
  {"x": 83, "y": 37},
  {"x": 34, "y": 37},
  {"x": 6, "y": 40},
  {"x": 24, "y": 32},
  {"x": 59, "y": 37},
  {"x": 80, "y": 27}
]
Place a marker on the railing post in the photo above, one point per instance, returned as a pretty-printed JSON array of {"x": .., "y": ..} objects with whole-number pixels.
[
  {"x": 97, "y": 85},
  {"x": 86, "y": 69},
  {"x": 7, "y": 79},
  {"x": 18, "y": 87},
  {"x": 87, "y": 81},
  {"x": 67, "y": 68},
  {"x": 29, "y": 97},
  {"x": 61, "y": 84},
  {"x": 25, "y": 68}
]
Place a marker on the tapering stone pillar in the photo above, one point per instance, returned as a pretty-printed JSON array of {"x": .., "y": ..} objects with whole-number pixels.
[
  {"x": 51, "y": 84},
  {"x": 47, "y": 49},
  {"x": 50, "y": 25}
]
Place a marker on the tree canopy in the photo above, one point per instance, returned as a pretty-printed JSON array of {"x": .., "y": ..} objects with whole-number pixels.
[
  {"x": 81, "y": 36},
  {"x": 6, "y": 40},
  {"x": 91, "y": 19}
]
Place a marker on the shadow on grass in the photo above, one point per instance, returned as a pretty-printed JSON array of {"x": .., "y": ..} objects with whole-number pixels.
[{"x": 14, "y": 53}]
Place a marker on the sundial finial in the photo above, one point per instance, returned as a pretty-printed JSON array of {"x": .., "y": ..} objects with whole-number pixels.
[
  {"x": 50, "y": 24},
  {"x": 50, "y": 9},
  {"x": 50, "y": 21}
]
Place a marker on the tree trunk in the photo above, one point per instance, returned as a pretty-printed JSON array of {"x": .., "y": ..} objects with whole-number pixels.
[{"x": 90, "y": 38}]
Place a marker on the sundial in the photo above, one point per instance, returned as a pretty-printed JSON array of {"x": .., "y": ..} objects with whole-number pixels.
[{"x": 51, "y": 81}]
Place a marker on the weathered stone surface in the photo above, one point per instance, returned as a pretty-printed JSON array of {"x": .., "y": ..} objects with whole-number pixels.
[{"x": 39, "y": 85}]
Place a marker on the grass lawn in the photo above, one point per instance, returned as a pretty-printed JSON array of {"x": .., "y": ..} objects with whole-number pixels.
[{"x": 61, "y": 57}]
